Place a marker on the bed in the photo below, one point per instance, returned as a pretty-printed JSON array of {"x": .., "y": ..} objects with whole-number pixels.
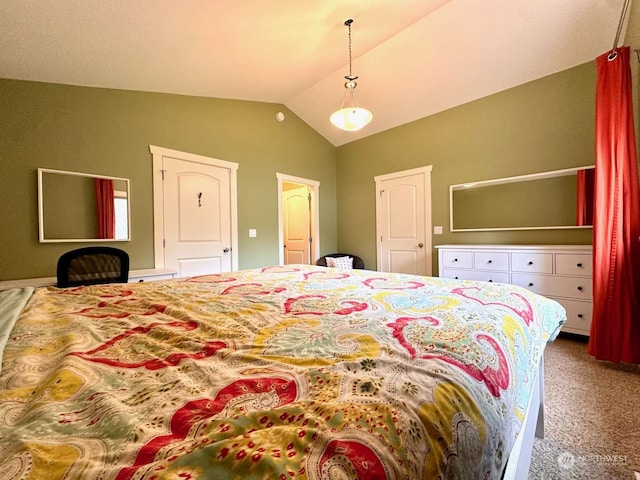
[{"x": 284, "y": 372}]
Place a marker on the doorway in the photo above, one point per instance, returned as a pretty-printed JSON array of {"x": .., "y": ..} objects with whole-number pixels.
[{"x": 298, "y": 220}]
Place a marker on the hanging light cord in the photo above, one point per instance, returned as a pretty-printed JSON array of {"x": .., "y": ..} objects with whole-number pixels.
[{"x": 348, "y": 23}]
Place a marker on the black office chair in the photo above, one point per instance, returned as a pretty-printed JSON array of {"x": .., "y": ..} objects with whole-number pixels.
[
  {"x": 93, "y": 266},
  {"x": 357, "y": 261}
]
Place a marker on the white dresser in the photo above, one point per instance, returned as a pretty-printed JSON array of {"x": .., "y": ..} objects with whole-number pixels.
[
  {"x": 151, "y": 275},
  {"x": 561, "y": 272},
  {"x": 146, "y": 275}
]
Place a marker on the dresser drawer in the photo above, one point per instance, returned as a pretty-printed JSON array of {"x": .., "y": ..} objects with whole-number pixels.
[
  {"x": 487, "y": 276},
  {"x": 578, "y": 316},
  {"x": 498, "y": 261},
  {"x": 573, "y": 264},
  {"x": 457, "y": 274},
  {"x": 150, "y": 278},
  {"x": 478, "y": 275},
  {"x": 457, "y": 259},
  {"x": 568, "y": 287},
  {"x": 532, "y": 262}
]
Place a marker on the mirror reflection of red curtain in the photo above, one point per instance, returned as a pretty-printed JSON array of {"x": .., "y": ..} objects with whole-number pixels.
[
  {"x": 106, "y": 209},
  {"x": 615, "y": 328},
  {"x": 584, "y": 213}
]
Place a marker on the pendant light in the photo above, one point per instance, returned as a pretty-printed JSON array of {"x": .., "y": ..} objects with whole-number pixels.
[{"x": 350, "y": 117}]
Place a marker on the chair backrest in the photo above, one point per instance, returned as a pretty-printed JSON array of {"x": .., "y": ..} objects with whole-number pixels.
[
  {"x": 357, "y": 261},
  {"x": 92, "y": 266}
]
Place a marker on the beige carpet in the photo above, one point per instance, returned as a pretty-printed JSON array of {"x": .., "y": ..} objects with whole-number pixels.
[{"x": 592, "y": 417}]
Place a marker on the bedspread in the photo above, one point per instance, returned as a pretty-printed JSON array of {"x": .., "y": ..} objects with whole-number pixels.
[{"x": 282, "y": 372}]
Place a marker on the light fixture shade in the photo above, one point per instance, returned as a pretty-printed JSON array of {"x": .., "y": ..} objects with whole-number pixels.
[{"x": 351, "y": 119}]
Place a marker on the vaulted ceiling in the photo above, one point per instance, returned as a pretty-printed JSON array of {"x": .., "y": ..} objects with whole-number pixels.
[{"x": 414, "y": 57}]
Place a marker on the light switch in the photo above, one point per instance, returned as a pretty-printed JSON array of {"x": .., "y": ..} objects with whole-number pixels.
[
  {"x": 437, "y": 230},
  {"x": 253, "y": 232}
]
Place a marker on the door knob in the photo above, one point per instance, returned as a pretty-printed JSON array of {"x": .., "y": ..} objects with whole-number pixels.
[
  {"x": 226, "y": 250},
  {"x": 421, "y": 245}
]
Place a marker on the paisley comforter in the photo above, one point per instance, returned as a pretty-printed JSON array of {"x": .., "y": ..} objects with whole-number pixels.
[{"x": 275, "y": 373}]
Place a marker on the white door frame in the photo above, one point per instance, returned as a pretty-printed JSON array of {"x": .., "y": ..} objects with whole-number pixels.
[
  {"x": 426, "y": 170},
  {"x": 315, "y": 214},
  {"x": 158, "y": 210}
]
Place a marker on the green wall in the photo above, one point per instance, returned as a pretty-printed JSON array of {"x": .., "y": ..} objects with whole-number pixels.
[
  {"x": 108, "y": 132},
  {"x": 539, "y": 126},
  {"x": 543, "y": 125}
]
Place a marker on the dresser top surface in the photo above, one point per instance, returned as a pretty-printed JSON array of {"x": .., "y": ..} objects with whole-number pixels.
[{"x": 581, "y": 248}]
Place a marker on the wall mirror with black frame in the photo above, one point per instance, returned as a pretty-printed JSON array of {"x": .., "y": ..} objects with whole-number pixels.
[
  {"x": 559, "y": 199},
  {"x": 82, "y": 207}
]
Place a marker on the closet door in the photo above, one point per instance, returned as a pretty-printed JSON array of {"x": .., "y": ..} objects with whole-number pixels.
[
  {"x": 403, "y": 211},
  {"x": 197, "y": 227},
  {"x": 194, "y": 213}
]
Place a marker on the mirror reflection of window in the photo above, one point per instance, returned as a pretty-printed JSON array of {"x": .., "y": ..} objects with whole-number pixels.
[
  {"x": 72, "y": 206},
  {"x": 121, "y": 208}
]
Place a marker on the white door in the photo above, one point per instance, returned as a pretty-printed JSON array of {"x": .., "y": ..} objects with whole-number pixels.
[
  {"x": 197, "y": 219},
  {"x": 296, "y": 204},
  {"x": 403, "y": 211}
]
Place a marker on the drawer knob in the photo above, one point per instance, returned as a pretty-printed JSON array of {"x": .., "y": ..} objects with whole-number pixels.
[
  {"x": 580, "y": 315},
  {"x": 530, "y": 263},
  {"x": 489, "y": 261},
  {"x": 490, "y": 280},
  {"x": 455, "y": 259},
  {"x": 456, "y": 278},
  {"x": 580, "y": 288},
  {"x": 530, "y": 284},
  {"x": 579, "y": 265}
]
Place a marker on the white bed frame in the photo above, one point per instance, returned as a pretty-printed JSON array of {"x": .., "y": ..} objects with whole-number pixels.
[{"x": 519, "y": 461}]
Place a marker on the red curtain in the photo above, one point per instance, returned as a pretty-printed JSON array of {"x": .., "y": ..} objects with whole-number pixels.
[
  {"x": 106, "y": 209},
  {"x": 615, "y": 329},
  {"x": 585, "y": 185}
]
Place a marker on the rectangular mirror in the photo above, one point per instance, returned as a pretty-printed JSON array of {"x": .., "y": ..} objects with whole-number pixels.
[
  {"x": 81, "y": 207},
  {"x": 547, "y": 200}
]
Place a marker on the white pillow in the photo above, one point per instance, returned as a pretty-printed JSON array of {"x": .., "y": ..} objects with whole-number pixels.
[
  {"x": 346, "y": 263},
  {"x": 330, "y": 261}
]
